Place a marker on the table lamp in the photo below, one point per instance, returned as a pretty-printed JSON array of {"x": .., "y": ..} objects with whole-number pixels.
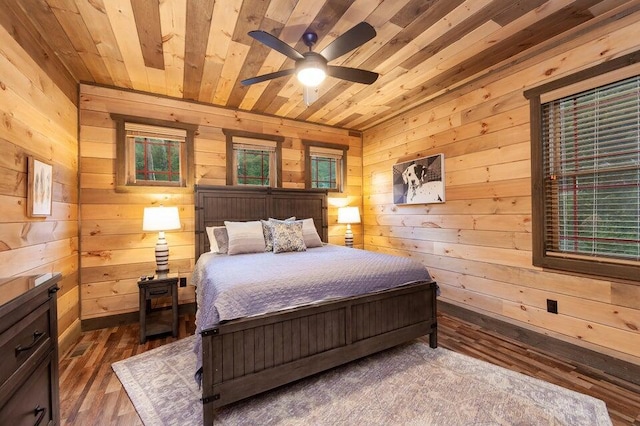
[
  {"x": 161, "y": 219},
  {"x": 348, "y": 215}
]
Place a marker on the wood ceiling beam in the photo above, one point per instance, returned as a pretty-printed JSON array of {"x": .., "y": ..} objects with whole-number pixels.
[
  {"x": 147, "y": 16},
  {"x": 199, "y": 16}
]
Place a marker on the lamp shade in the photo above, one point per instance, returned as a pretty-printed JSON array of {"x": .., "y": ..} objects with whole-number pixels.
[
  {"x": 348, "y": 215},
  {"x": 160, "y": 219}
]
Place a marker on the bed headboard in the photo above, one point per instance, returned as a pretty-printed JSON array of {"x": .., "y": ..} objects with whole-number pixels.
[{"x": 215, "y": 204}]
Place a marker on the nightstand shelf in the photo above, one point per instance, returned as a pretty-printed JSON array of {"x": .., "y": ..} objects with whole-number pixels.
[{"x": 159, "y": 320}]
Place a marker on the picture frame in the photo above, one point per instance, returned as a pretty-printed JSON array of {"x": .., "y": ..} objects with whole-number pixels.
[
  {"x": 39, "y": 187},
  {"x": 419, "y": 181}
]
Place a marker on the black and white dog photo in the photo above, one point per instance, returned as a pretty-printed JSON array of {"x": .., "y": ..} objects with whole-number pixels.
[{"x": 419, "y": 181}]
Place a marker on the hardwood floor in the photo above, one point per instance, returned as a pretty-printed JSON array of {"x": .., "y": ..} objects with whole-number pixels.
[{"x": 91, "y": 394}]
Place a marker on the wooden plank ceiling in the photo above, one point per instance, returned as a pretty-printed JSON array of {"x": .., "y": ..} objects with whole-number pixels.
[{"x": 200, "y": 50}]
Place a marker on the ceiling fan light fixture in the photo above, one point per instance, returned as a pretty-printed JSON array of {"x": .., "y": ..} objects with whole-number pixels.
[
  {"x": 311, "y": 71},
  {"x": 311, "y": 67},
  {"x": 311, "y": 77}
]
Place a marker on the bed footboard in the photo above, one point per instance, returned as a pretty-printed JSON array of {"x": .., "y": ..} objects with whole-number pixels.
[{"x": 244, "y": 357}]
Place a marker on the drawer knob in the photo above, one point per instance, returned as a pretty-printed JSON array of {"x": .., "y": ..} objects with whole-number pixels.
[
  {"x": 39, "y": 411},
  {"x": 36, "y": 336}
]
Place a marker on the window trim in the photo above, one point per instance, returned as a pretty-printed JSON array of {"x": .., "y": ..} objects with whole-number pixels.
[
  {"x": 308, "y": 145},
  {"x": 123, "y": 160},
  {"x": 230, "y": 134},
  {"x": 596, "y": 266}
]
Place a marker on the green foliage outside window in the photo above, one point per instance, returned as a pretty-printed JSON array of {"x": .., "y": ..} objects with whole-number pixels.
[
  {"x": 324, "y": 172},
  {"x": 157, "y": 159},
  {"x": 594, "y": 171},
  {"x": 253, "y": 167}
]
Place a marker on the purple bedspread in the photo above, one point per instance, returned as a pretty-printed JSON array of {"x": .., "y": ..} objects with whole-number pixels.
[{"x": 230, "y": 287}]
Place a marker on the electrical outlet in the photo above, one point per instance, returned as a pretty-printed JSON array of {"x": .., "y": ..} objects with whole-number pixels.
[
  {"x": 183, "y": 281},
  {"x": 552, "y": 306}
]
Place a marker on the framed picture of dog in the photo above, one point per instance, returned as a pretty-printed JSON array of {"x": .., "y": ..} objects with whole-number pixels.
[{"x": 419, "y": 181}]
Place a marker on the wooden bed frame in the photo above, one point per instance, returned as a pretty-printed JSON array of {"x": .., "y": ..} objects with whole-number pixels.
[{"x": 244, "y": 357}]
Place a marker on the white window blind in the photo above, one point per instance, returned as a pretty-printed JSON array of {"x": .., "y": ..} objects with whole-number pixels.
[
  {"x": 317, "y": 151},
  {"x": 254, "y": 144},
  {"x": 591, "y": 154},
  {"x": 147, "y": 131}
]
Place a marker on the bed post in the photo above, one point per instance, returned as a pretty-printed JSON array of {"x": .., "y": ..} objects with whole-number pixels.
[
  {"x": 433, "y": 336},
  {"x": 208, "y": 363}
]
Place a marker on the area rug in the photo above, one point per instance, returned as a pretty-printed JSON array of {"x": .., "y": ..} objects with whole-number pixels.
[{"x": 411, "y": 384}]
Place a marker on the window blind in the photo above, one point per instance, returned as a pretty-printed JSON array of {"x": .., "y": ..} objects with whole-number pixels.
[
  {"x": 317, "y": 151},
  {"x": 591, "y": 154},
  {"x": 254, "y": 144},
  {"x": 147, "y": 131}
]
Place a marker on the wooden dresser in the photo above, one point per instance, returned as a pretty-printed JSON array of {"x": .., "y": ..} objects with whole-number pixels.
[{"x": 29, "y": 351}]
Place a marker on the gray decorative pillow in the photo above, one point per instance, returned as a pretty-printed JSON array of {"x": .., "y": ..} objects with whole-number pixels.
[
  {"x": 213, "y": 246},
  {"x": 222, "y": 239},
  {"x": 245, "y": 237},
  {"x": 266, "y": 230},
  {"x": 287, "y": 236}
]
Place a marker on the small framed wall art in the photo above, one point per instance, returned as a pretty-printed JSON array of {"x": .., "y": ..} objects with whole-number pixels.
[
  {"x": 40, "y": 188},
  {"x": 419, "y": 181}
]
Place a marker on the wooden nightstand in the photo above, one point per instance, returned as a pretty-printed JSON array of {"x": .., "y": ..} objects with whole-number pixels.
[{"x": 158, "y": 321}]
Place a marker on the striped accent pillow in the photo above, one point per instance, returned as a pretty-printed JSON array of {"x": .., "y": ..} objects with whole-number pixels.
[
  {"x": 245, "y": 237},
  {"x": 310, "y": 233}
]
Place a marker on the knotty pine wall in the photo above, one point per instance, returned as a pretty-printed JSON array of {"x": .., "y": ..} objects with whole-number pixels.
[
  {"x": 477, "y": 245},
  {"x": 114, "y": 250},
  {"x": 38, "y": 119}
]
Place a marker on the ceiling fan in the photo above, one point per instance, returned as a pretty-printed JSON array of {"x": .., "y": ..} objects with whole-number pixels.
[{"x": 311, "y": 68}]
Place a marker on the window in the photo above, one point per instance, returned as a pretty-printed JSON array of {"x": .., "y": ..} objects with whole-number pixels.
[
  {"x": 253, "y": 159},
  {"x": 253, "y": 165},
  {"x": 325, "y": 171},
  {"x": 153, "y": 153},
  {"x": 325, "y": 165},
  {"x": 586, "y": 175}
]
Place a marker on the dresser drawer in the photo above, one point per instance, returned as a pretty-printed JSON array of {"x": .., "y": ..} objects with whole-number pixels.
[
  {"x": 33, "y": 403},
  {"x": 30, "y": 337}
]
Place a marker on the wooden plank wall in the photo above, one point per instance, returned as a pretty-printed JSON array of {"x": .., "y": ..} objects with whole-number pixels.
[
  {"x": 39, "y": 119},
  {"x": 114, "y": 250},
  {"x": 477, "y": 245}
]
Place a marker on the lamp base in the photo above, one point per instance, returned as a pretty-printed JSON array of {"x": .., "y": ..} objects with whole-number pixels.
[
  {"x": 348, "y": 236},
  {"x": 162, "y": 273},
  {"x": 162, "y": 256}
]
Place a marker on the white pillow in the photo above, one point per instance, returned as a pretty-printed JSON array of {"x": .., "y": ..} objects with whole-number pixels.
[
  {"x": 245, "y": 237},
  {"x": 310, "y": 234},
  {"x": 213, "y": 244}
]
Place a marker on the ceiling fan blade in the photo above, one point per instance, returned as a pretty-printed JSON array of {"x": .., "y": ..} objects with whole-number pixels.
[
  {"x": 355, "y": 37},
  {"x": 276, "y": 44},
  {"x": 265, "y": 77},
  {"x": 352, "y": 74}
]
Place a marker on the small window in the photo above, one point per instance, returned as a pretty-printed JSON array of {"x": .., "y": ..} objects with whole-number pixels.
[
  {"x": 325, "y": 165},
  {"x": 586, "y": 179},
  {"x": 157, "y": 153},
  {"x": 254, "y": 164},
  {"x": 151, "y": 153},
  {"x": 253, "y": 159}
]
